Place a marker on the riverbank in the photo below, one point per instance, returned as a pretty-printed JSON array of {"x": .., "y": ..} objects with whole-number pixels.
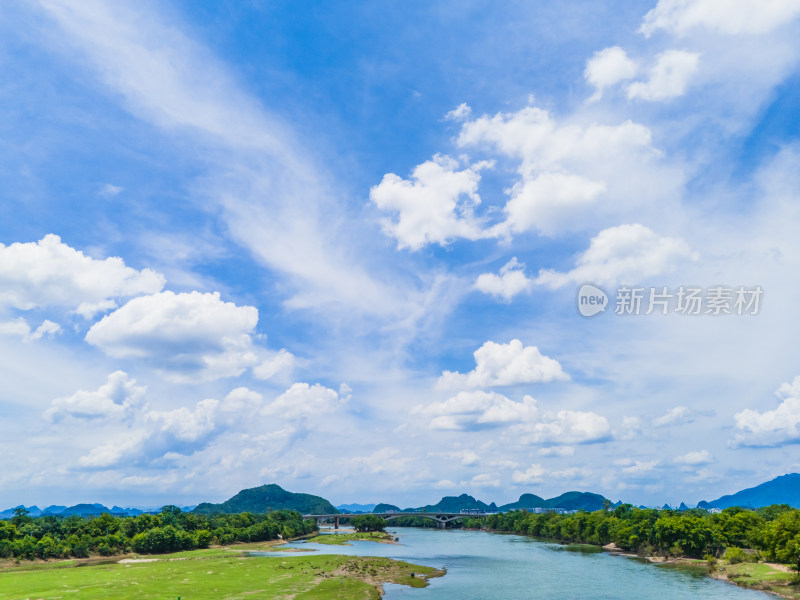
[
  {"x": 211, "y": 574},
  {"x": 344, "y": 539},
  {"x": 773, "y": 578}
]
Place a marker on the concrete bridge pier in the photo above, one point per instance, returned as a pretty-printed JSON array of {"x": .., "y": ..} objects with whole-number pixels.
[
  {"x": 336, "y": 522},
  {"x": 442, "y": 524}
]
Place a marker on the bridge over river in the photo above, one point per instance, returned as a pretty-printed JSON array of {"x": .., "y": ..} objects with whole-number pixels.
[{"x": 441, "y": 518}]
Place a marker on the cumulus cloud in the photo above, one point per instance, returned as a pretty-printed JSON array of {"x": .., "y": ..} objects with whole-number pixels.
[
  {"x": 669, "y": 77},
  {"x": 470, "y": 411},
  {"x": 608, "y": 67},
  {"x": 188, "y": 336},
  {"x": 118, "y": 398},
  {"x": 566, "y": 427},
  {"x": 551, "y": 202},
  {"x": 477, "y": 410},
  {"x": 459, "y": 113},
  {"x": 277, "y": 364},
  {"x": 640, "y": 467},
  {"x": 675, "y": 416},
  {"x": 20, "y": 328},
  {"x": 625, "y": 254},
  {"x": 562, "y": 451},
  {"x": 701, "y": 457},
  {"x": 483, "y": 480},
  {"x": 732, "y": 18},
  {"x": 505, "y": 364},
  {"x": 302, "y": 401},
  {"x": 566, "y": 169},
  {"x": 434, "y": 207},
  {"x": 533, "y": 474},
  {"x": 468, "y": 458},
  {"x": 775, "y": 427},
  {"x": 159, "y": 435},
  {"x": 510, "y": 282},
  {"x": 51, "y": 273}
]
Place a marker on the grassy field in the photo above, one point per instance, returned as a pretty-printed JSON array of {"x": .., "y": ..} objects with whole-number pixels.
[
  {"x": 759, "y": 576},
  {"x": 216, "y": 574},
  {"x": 341, "y": 539}
]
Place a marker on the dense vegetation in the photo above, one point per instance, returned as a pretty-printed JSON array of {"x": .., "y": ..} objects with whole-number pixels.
[
  {"x": 774, "y": 530},
  {"x": 267, "y": 498},
  {"x": 25, "y": 537},
  {"x": 368, "y": 523}
]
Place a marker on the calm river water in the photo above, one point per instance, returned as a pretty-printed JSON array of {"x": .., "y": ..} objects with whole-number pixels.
[{"x": 491, "y": 566}]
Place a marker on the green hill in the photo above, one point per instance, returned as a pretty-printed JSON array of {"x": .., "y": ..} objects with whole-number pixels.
[
  {"x": 781, "y": 490},
  {"x": 383, "y": 507},
  {"x": 267, "y": 498},
  {"x": 577, "y": 501},
  {"x": 525, "y": 501},
  {"x": 458, "y": 503}
]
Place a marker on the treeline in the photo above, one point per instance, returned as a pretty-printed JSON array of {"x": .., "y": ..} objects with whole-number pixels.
[
  {"x": 774, "y": 530},
  {"x": 25, "y": 537}
]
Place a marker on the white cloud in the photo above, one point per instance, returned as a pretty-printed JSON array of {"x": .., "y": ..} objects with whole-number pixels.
[
  {"x": 476, "y": 410},
  {"x": 573, "y": 175},
  {"x": 534, "y": 137},
  {"x": 302, "y": 401},
  {"x": 562, "y": 451},
  {"x": 484, "y": 480},
  {"x": 167, "y": 434},
  {"x": 669, "y": 77},
  {"x": 241, "y": 401},
  {"x": 631, "y": 428},
  {"x": 434, "y": 207},
  {"x": 187, "y": 336},
  {"x": 608, "y": 67},
  {"x": 701, "y": 457},
  {"x": 17, "y": 328},
  {"x": 51, "y": 273},
  {"x": 47, "y": 327},
  {"x": 459, "y": 113},
  {"x": 505, "y": 364},
  {"x": 566, "y": 427},
  {"x": 110, "y": 190},
  {"x": 108, "y": 455},
  {"x": 510, "y": 282},
  {"x": 625, "y": 254},
  {"x": 675, "y": 416},
  {"x": 640, "y": 467},
  {"x": 469, "y": 411},
  {"x": 275, "y": 198},
  {"x": 468, "y": 458},
  {"x": 723, "y": 16},
  {"x": 775, "y": 427},
  {"x": 118, "y": 398},
  {"x": 278, "y": 364},
  {"x": 533, "y": 474},
  {"x": 551, "y": 203}
]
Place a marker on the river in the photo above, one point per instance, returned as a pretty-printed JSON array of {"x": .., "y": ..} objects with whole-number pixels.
[{"x": 493, "y": 566}]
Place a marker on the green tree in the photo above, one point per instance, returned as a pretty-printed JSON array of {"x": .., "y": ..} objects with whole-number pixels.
[{"x": 368, "y": 523}]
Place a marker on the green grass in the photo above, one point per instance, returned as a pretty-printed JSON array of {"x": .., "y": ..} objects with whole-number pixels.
[
  {"x": 342, "y": 539},
  {"x": 210, "y": 576},
  {"x": 761, "y": 576}
]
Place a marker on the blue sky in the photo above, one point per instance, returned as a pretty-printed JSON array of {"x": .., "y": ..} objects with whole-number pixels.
[{"x": 338, "y": 247}]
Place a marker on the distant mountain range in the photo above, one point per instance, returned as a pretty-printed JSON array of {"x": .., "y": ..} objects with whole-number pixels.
[
  {"x": 267, "y": 498},
  {"x": 781, "y": 490},
  {"x": 568, "y": 501},
  {"x": 83, "y": 510},
  {"x": 356, "y": 508}
]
